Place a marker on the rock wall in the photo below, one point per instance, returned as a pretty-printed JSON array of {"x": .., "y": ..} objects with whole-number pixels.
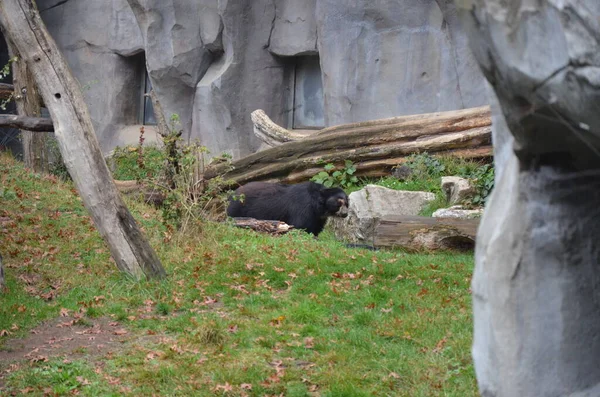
[
  {"x": 213, "y": 62},
  {"x": 102, "y": 43}
]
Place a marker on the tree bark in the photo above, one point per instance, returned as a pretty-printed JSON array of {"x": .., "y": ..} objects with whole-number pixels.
[
  {"x": 375, "y": 146},
  {"x": 33, "y": 124},
  {"x": 76, "y": 138},
  {"x": 6, "y": 91},
  {"x": 26, "y": 97},
  {"x": 425, "y": 233}
]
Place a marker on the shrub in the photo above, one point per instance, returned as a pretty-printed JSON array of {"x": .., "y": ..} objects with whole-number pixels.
[{"x": 344, "y": 177}]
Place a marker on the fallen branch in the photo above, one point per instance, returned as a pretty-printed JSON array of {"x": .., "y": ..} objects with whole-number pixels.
[
  {"x": 272, "y": 227},
  {"x": 35, "y": 124}
]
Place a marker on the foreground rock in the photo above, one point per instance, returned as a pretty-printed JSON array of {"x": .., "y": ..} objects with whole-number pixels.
[
  {"x": 373, "y": 203},
  {"x": 458, "y": 212},
  {"x": 536, "y": 284}
]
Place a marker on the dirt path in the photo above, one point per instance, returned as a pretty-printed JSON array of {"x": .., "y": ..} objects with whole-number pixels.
[{"x": 63, "y": 336}]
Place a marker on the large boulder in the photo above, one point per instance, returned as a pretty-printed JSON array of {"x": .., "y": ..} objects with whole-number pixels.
[{"x": 372, "y": 203}]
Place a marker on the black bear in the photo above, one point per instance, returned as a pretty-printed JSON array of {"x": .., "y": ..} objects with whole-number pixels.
[{"x": 305, "y": 205}]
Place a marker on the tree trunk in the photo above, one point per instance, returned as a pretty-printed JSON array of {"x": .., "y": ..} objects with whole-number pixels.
[
  {"x": 76, "y": 138},
  {"x": 536, "y": 284},
  {"x": 26, "y": 97},
  {"x": 420, "y": 232},
  {"x": 375, "y": 146},
  {"x": 33, "y": 124}
]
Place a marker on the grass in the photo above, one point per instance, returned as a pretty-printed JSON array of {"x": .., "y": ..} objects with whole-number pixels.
[{"x": 240, "y": 314}]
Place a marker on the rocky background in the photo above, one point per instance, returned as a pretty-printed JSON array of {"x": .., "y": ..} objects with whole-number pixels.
[{"x": 213, "y": 62}]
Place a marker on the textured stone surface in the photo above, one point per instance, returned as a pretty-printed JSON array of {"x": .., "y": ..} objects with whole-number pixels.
[
  {"x": 92, "y": 35},
  {"x": 176, "y": 56},
  {"x": 457, "y": 189},
  {"x": 213, "y": 62},
  {"x": 389, "y": 58},
  {"x": 370, "y": 204},
  {"x": 295, "y": 28},
  {"x": 245, "y": 78},
  {"x": 536, "y": 283},
  {"x": 457, "y": 211}
]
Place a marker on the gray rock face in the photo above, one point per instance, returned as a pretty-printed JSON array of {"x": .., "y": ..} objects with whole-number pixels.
[
  {"x": 535, "y": 286},
  {"x": 213, "y": 62},
  {"x": 95, "y": 38},
  {"x": 176, "y": 56},
  {"x": 294, "y": 29},
  {"x": 457, "y": 189},
  {"x": 389, "y": 58},
  {"x": 369, "y": 205},
  {"x": 246, "y": 77}
]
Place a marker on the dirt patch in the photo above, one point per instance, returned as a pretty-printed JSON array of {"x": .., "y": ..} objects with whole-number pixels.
[{"x": 64, "y": 336}]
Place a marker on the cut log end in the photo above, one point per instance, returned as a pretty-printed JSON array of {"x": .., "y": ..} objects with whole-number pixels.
[{"x": 264, "y": 226}]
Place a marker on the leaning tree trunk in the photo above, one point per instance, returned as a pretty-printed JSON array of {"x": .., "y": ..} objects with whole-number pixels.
[
  {"x": 28, "y": 105},
  {"x": 77, "y": 141},
  {"x": 536, "y": 285}
]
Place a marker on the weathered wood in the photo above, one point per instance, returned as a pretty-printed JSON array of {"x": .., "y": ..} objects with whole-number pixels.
[
  {"x": 271, "y": 133},
  {"x": 419, "y": 232},
  {"x": 36, "y": 124},
  {"x": 375, "y": 146},
  {"x": 26, "y": 97},
  {"x": 76, "y": 138},
  {"x": 265, "y": 226},
  {"x": 6, "y": 91}
]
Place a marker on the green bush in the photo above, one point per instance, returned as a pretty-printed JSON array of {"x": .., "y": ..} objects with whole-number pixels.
[{"x": 126, "y": 166}]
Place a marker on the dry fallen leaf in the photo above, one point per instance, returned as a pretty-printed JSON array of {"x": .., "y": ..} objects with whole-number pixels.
[{"x": 226, "y": 387}]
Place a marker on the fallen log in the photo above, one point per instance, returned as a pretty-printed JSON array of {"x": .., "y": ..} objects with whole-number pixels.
[
  {"x": 34, "y": 124},
  {"x": 416, "y": 233},
  {"x": 265, "y": 226},
  {"x": 375, "y": 146}
]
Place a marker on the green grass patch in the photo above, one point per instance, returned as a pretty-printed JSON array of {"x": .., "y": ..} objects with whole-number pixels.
[{"x": 240, "y": 313}]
